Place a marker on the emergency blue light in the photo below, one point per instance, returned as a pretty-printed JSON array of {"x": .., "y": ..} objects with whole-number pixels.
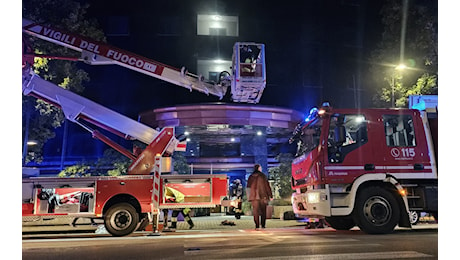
[{"x": 312, "y": 114}]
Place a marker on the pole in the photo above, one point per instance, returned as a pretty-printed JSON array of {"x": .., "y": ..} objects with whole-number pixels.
[
  {"x": 64, "y": 145},
  {"x": 26, "y": 135},
  {"x": 403, "y": 29},
  {"x": 393, "y": 91}
]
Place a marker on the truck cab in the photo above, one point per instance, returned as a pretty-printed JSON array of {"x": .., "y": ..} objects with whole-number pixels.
[{"x": 365, "y": 167}]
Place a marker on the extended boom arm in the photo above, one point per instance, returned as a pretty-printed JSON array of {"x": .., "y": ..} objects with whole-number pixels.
[
  {"x": 99, "y": 53},
  {"x": 79, "y": 110}
]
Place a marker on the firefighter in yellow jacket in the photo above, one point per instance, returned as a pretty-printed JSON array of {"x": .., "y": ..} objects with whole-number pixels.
[{"x": 175, "y": 196}]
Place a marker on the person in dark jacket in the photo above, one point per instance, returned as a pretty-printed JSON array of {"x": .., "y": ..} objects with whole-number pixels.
[{"x": 259, "y": 193}]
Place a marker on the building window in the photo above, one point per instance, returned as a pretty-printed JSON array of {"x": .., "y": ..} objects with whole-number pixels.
[
  {"x": 213, "y": 68},
  {"x": 169, "y": 26},
  {"x": 220, "y": 150},
  {"x": 218, "y": 31},
  {"x": 399, "y": 130},
  {"x": 217, "y": 25}
]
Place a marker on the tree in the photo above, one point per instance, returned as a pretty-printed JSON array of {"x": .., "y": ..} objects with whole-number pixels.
[
  {"x": 112, "y": 163},
  {"x": 282, "y": 175},
  {"x": 116, "y": 163},
  {"x": 180, "y": 163},
  {"x": 419, "y": 52},
  {"x": 78, "y": 170},
  {"x": 39, "y": 118}
]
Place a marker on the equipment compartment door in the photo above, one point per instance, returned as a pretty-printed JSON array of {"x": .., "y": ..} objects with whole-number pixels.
[{"x": 65, "y": 200}]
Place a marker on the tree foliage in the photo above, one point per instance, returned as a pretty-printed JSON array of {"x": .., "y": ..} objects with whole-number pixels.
[
  {"x": 118, "y": 163},
  {"x": 419, "y": 53},
  {"x": 282, "y": 175},
  {"x": 78, "y": 170},
  {"x": 112, "y": 163},
  {"x": 39, "y": 118},
  {"x": 180, "y": 163}
]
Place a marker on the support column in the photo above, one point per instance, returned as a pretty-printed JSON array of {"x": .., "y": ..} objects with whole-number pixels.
[{"x": 259, "y": 145}]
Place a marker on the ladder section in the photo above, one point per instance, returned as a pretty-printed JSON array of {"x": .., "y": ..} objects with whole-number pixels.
[{"x": 76, "y": 107}]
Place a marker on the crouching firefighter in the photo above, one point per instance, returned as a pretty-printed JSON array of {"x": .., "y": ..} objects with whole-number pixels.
[{"x": 175, "y": 196}]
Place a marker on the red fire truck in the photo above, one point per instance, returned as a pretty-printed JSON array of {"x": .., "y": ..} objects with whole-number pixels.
[
  {"x": 124, "y": 202},
  {"x": 366, "y": 167}
]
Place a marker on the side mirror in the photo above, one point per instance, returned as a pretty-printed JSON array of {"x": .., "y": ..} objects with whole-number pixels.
[{"x": 339, "y": 135}]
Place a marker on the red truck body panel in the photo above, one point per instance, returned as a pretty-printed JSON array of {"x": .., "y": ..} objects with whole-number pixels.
[{"x": 87, "y": 196}]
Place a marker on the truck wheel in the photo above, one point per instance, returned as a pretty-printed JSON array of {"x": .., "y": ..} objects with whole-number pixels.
[
  {"x": 435, "y": 216},
  {"x": 340, "y": 223},
  {"x": 414, "y": 217},
  {"x": 121, "y": 219},
  {"x": 376, "y": 211}
]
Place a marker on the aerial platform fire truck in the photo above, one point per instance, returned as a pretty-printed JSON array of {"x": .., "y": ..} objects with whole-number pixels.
[
  {"x": 126, "y": 202},
  {"x": 366, "y": 167}
]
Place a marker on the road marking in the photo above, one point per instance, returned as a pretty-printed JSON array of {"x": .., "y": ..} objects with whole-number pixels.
[
  {"x": 237, "y": 243},
  {"x": 259, "y": 243},
  {"x": 45, "y": 242},
  {"x": 345, "y": 256}
]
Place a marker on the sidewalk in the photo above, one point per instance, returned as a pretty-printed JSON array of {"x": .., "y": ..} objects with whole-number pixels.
[
  {"x": 213, "y": 222},
  {"x": 245, "y": 222},
  {"x": 202, "y": 223}
]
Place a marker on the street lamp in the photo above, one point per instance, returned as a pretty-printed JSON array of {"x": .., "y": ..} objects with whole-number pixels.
[{"x": 400, "y": 67}]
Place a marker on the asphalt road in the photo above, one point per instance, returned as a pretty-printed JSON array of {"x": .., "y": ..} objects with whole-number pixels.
[{"x": 238, "y": 242}]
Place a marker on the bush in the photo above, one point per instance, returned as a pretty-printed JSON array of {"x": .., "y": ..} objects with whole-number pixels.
[
  {"x": 280, "y": 202},
  {"x": 246, "y": 206}
]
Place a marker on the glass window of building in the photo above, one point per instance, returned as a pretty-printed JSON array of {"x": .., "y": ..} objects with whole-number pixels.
[
  {"x": 217, "y": 25},
  {"x": 169, "y": 26},
  {"x": 211, "y": 69}
]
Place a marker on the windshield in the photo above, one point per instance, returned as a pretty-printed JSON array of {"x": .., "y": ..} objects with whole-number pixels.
[{"x": 309, "y": 137}]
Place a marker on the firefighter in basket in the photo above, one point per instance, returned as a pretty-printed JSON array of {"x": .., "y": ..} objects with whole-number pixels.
[{"x": 175, "y": 196}]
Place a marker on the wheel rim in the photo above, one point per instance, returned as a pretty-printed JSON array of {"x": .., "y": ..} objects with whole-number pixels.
[
  {"x": 377, "y": 210},
  {"x": 413, "y": 215},
  {"x": 121, "y": 219}
]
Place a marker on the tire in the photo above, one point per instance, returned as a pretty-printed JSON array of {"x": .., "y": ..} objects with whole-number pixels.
[
  {"x": 121, "y": 219},
  {"x": 414, "y": 217},
  {"x": 341, "y": 223},
  {"x": 435, "y": 215},
  {"x": 376, "y": 211}
]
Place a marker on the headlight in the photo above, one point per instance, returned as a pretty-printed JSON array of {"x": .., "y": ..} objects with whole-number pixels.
[
  {"x": 316, "y": 197},
  {"x": 313, "y": 197}
]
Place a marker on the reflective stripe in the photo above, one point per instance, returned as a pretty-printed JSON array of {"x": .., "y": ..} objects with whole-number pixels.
[
  {"x": 390, "y": 167},
  {"x": 344, "y": 168}
]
